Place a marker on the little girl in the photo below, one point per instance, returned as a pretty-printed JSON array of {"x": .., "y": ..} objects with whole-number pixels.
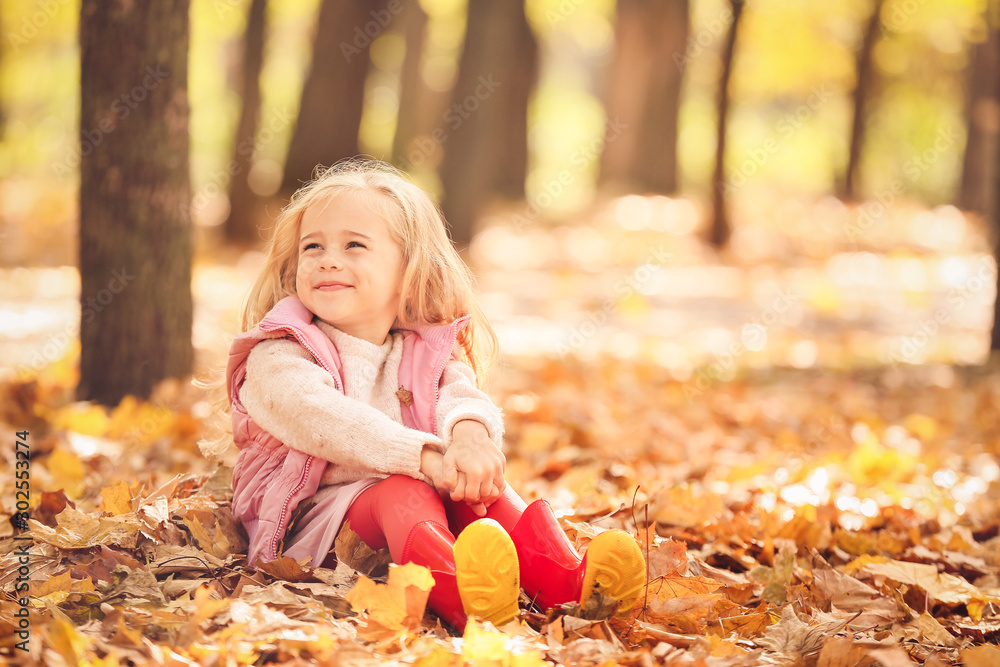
[{"x": 355, "y": 403}]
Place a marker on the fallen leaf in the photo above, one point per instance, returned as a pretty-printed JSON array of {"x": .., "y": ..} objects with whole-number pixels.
[
  {"x": 791, "y": 635},
  {"x": 981, "y": 656},
  {"x": 891, "y": 657},
  {"x": 934, "y": 632},
  {"x": 394, "y": 607},
  {"x": 116, "y": 499},
  {"x": 668, "y": 558}
]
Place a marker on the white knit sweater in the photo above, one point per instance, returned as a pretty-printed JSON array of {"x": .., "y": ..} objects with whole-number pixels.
[{"x": 294, "y": 399}]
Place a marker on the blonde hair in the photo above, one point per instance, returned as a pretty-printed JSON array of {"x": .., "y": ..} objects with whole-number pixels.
[{"x": 437, "y": 286}]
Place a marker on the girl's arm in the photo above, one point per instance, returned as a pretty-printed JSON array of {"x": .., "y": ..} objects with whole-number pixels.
[
  {"x": 294, "y": 399},
  {"x": 460, "y": 399},
  {"x": 472, "y": 427}
]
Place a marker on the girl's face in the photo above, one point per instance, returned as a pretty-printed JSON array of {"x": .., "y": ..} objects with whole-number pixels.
[{"x": 349, "y": 267}]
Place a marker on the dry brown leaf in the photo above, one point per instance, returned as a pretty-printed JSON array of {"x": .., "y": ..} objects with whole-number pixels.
[
  {"x": 790, "y": 635},
  {"x": 287, "y": 568},
  {"x": 844, "y": 652},
  {"x": 668, "y": 558},
  {"x": 981, "y": 656},
  {"x": 934, "y": 632},
  {"x": 353, "y": 552},
  {"x": 891, "y": 657}
]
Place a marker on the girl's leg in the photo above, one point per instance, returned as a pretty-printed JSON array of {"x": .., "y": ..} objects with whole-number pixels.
[
  {"x": 552, "y": 571},
  {"x": 473, "y": 575},
  {"x": 384, "y": 514},
  {"x": 506, "y": 511}
]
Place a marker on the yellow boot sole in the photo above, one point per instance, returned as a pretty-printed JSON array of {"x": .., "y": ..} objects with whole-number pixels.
[
  {"x": 615, "y": 569},
  {"x": 487, "y": 572}
]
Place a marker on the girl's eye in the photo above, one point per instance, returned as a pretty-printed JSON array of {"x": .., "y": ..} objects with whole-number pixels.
[
  {"x": 310, "y": 245},
  {"x": 355, "y": 243}
]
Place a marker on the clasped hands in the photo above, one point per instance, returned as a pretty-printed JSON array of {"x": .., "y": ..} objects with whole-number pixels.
[{"x": 471, "y": 470}]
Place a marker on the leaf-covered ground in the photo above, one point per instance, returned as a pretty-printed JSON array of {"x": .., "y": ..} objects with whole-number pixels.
[{"x": 788, "y": 517}]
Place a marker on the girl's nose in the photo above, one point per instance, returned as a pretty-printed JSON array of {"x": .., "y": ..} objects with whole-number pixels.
[{"x": 329, "y": 261}]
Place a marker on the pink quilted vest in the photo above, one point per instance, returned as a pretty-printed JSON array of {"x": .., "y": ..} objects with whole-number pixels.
[{"x": 271, "y": 479}]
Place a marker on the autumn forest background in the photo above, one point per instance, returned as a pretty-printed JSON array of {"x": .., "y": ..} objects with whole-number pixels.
[{"x": 740, "y": 256}]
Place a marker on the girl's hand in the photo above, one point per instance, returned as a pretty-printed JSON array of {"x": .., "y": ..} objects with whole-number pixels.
[
  {"x": 474, "y": 465},
  {"x": 431, "y": 465}
]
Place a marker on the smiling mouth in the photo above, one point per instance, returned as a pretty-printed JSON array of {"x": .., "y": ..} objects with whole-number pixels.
[{"x": 332, "y": 287}]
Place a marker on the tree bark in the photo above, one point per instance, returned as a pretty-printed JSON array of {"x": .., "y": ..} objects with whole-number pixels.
[
  {"x": 850, "y": 184},
  {"x": 983, "y": 123},
  {"x": 334, "y": 90},
  {"x": 135, "y": 229},
  {"x": 644, "y": 93},
  {"x": 485, "y": 138},
  {"x": 241, "y": 224},
  {"x": 721, "y": 228}
]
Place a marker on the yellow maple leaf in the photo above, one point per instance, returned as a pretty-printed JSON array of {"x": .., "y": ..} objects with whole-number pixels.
[
  {"x": 117, "y": 499},
  {"x": 395, "y": 607},
  {"x": 481, "y": 646},
  {"x": 66, "y": 470},
  {"x": 205, "y": 606}
]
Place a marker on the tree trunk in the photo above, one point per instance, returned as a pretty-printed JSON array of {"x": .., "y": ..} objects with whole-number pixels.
[
  {"x": 241, "y": 224},
  {"x": 644, "y": 94},
  {"x": 485, "y": 138},
  {"x": 721, "y": 230},
  {"x": 412, "y": 91},
  {"x": 983, "y": 123},
  {"x": 522, "y": 76},
  {"x": 850, "y": 184},
  {"x": 135, "y": 230},
  {"x": 334, "y": 90},
  {"x": 995, "y": 333}
]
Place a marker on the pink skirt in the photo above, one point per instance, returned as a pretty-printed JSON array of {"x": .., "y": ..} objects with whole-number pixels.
[{"x": 317, "y": 530}]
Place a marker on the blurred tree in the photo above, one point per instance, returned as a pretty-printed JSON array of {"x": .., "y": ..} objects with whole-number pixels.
[
  {"x": 135, "y": 193},
  {"x": 3, "y": 118},
  {"x": 413, "y": 92},
  {"x": 720, "y": 230},
  {"x": 241, "y": 224},
  {"x": 334, "y": 90},
  {"x": 849, "y": 185},
  {"x": 486, "y": 149},
  {"x": 644, "y": 93},
  {"x": 982, "y": 108}
]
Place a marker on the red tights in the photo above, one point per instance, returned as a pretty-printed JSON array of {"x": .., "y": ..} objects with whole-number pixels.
[{"x": 383, "y": 514}]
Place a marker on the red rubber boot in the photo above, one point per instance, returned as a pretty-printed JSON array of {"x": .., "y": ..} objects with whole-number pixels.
[
  {"x": 474, "y": 575},
  {"x": 552, "y": 572}
]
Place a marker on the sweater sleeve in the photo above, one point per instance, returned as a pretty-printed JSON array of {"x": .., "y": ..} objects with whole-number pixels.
[
  {"x": 294, "y": 399},
  {"x": 461, "y": 399}
]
